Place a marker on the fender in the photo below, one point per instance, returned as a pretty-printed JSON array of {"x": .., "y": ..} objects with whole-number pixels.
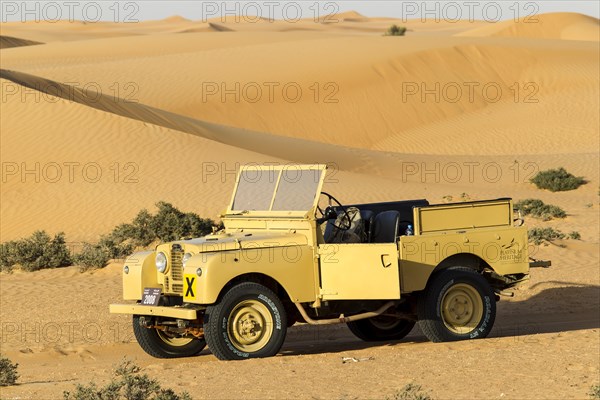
[{"x": 141, "y": 274}]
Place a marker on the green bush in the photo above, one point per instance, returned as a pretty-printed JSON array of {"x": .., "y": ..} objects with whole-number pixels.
[
  {"x": 127, "y": 384},
  {"x": 575, "y": 235},
  {"x": 171, "y": 224},
  {"x": 139, "y": 232},
  {"x": 91, "y": 256},
  {"x": 395, "y": 30},
  {"x": 40, "y": 251},
  {"x": 557, "y": 180},
  {"x": 595, "y": 392},
  {"x": 410, "y": 392},
  {"x": 538, "y": 209},
  {"x": 8, "y": 372},
  {"x": 36, "y": 252},
  {"x": 544, "y": 235},
  {"x": 98, "y": 255},
  {"x": 168, "y": 224}
]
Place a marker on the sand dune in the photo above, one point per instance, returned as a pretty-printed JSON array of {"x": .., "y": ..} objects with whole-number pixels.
[
  {"x": 7, "y": 42},
  {"x": 566, "y": 26},
  {"x": 219, "y": 28},
  {"x": 176, "y": 19},
  {"x": 425, "y": 85},
  {"x": 217, "y": 145},
  {"x": 370, "y": 131}
]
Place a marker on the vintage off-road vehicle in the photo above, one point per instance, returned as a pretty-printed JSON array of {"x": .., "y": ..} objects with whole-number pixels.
[{"x": 292, "y": 253}]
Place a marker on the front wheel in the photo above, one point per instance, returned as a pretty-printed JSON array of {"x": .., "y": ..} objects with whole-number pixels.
[
  {"x": 458, "y": 304},
  {"x": 382, "y": 328},
  {"x": 248, "y": 322},
  {"x": 163, "y": 344}
]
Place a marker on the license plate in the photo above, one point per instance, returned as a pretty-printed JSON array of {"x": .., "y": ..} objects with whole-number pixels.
[{"x": 151, "y": 296}]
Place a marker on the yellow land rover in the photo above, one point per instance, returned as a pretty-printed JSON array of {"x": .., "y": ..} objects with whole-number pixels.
[{"x": 291, "y": 253}]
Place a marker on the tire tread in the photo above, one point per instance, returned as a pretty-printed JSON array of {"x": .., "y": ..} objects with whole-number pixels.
[
  {"x": 151, "y": 345},
  {"x": 427, "y": 313},
  {"x": 212, "y": 329}
]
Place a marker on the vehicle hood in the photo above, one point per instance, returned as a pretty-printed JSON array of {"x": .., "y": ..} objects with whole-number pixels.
[{"x": 242, "y": 240}]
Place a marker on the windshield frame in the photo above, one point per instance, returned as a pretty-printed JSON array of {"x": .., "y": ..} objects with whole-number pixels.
[{"x": 279, "y": 170}]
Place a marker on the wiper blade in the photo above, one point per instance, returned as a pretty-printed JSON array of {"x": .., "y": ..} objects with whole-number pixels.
[{"x": 240, "y": 212}]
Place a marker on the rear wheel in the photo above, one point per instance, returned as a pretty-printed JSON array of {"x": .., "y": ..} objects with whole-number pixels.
[
  {"x": 248, "y": 322},
  {"x": 381, "y": 328},
  {"x": 458, "y": 304},
  {"x": 162, "y": 344}
]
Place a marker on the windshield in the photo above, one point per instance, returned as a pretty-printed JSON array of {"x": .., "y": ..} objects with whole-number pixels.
[{"x": 290, "y": 188}]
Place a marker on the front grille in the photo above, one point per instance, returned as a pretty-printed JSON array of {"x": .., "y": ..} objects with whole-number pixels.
[
  {"x": 177, "y": 265},
  {"x": 176, "y": 272},
  {"x": 177, "y": 288}
]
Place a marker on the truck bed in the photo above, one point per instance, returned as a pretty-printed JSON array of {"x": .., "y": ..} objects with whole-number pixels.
[{"x": 462, "y": 216}]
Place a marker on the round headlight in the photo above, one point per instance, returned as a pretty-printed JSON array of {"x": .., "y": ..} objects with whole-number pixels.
[
  {"x": 199, "y": 272},
  {"x": 186, "y": 257},
  {"x": 126, "y": 269},
  {"x": 161, "y": 262}
]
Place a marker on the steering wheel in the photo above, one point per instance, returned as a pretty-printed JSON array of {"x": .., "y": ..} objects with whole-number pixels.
[{"x": 329, "y": 211}]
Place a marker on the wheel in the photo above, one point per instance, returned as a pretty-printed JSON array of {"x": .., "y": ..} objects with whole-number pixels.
[
  {"x": 458, "y": 304},
  {"x": 161, "y": 344},
  {"x": 248, "y": 322},
  {"x": 381, "y": 328}
]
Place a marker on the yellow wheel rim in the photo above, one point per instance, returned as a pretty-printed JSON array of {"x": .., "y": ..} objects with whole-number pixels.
[
  {"x": 462, "y": 308},
  {"x": 250, "y": 326},
  {"x": 173, "y": 340}
]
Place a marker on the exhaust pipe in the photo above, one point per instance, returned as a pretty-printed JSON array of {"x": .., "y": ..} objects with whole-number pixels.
[{"x": 341, "y": 319}]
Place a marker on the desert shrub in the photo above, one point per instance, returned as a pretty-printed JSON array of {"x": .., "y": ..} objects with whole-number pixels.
[
  {"x": 127, "y": 384},
  {"x": 91, "y": 256},
  {"x": 99, "y": 254},
  {"x": 594, "y": 392},
  {"x": 169, "y": 223},
  {"x": 544, "y": 235},
  {"x": 40, "y": 251},
  {"x": 7, "y": 251},
  {"x": 410, "y": 392},
  {"x": 139, "y": 232},
  {"x": 538, "y": 209},
  {"x": 8, "y": 372},
  {"x": 575, "y": 235},
  {"x": 557, "y": 180},
  {"x": 36, "y": 252},
  {"x": 395, "y": 30}
]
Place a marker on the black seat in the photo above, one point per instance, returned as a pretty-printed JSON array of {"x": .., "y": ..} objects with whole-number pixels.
[
  {"x": 329, "y": 230},
  {"x": 368, "y": 217},
  {"x": 385, "y": 227}
]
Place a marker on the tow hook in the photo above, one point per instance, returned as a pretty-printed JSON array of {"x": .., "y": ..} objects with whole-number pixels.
[{"x": 505, "y": 293}]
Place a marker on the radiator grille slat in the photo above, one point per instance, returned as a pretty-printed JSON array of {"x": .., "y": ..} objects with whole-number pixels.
[
  {"x": 176, "y": 281},
  {"x": 177, "y": 288},
  {"x": 177, "y": 266}
]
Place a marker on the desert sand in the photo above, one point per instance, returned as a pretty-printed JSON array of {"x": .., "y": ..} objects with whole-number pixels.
[{"x": 102, "y": 120}]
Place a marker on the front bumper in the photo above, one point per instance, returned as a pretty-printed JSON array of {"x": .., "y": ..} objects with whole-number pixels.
[{"x": 158, "y": 311}]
